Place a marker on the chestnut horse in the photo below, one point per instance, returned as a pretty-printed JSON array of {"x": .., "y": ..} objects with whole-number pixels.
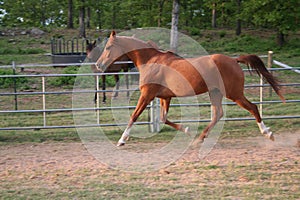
[
  {"x": 166, "y": 75},
  {"x": 93, "y": 54}
]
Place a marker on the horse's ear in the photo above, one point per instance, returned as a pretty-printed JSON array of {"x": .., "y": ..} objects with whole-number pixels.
[
  {"x": 87, "y": 42},
  {"x": 94, "y": 43},
  {"x": 113, "y": 34}
]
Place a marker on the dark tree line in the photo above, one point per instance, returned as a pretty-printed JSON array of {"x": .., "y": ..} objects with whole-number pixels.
[{"x": 280, "y": 15}]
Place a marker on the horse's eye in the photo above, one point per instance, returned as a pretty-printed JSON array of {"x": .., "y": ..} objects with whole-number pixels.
[{"x": 108, "y": 47}]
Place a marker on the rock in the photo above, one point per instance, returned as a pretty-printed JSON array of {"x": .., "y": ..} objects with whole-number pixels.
[
  {"x": 36, "y": 31},
  {"x": 11, "y": 41},
  {"x": 23, "y": 33}
]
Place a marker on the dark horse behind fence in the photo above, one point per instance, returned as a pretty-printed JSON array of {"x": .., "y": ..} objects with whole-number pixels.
[
  {"x": 93, "y": 54},
  {"x": 166, "y": 75}
]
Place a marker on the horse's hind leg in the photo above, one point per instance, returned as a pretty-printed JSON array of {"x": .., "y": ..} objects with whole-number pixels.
[
  {"x": 103, "y": 88},
  {"x": 165, "y": 103},
  {"x": 217, "y": 112},
  {"x": 127, "y": 84},
  {"x": 117, "y": 79},
  {"x": 96, "y": 87},
  {"x": 252, "y": 108}
]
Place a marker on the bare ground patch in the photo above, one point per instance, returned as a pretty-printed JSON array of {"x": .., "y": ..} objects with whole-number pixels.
[{"x": 234, "y": 169}]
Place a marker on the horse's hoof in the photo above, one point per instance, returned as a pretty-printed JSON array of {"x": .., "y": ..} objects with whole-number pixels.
[
  {"x": 187, "y": 131},
  {"x": 120, "y": 144},
  {"x": 196, "y": 143},
  {"x": 270, "y": 136},
  {"x": 266, "y": 131},
  {"x": 200, "y": 141}
]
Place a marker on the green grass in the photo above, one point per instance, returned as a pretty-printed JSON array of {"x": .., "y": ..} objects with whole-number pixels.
[{"x": 38, "y": 136}]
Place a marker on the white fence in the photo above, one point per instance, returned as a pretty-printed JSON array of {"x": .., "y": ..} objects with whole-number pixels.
[{"x": 154, "y": 111}]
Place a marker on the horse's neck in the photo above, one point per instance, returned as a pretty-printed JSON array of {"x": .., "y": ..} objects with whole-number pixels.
[
  {"x": 136, "y": 50},
  {"x": 141, "y": 56}
]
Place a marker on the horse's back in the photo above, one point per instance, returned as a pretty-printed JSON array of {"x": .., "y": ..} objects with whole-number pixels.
[{"x": 220, "y": 71}]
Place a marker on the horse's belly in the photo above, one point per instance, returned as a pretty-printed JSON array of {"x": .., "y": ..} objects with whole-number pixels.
[{"x": 177, "y": 83}]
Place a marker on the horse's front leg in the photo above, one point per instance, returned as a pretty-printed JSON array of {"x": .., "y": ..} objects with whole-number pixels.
[{"x": 143, "y": 101}]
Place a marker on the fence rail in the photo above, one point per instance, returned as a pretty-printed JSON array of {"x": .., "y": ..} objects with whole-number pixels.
[{"x": 153, "y": 108}]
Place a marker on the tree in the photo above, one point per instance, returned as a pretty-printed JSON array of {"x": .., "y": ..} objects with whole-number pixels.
[
  {"x": 174, "y": 28},
  {"x": 38, "y": 13},
  {"x": 70, "y": 14},
  {"x": 81, "y": 19},
  {"x": 238, "y": 29},
  {"x": 160, "y": 12},
  {"x": 214, "y": 15},
  {"x": 279, "y": 15}
]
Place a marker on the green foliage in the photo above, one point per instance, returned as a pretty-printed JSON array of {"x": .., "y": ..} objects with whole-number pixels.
[
  {"x": 222, "y": 34},
  {"x": 18, "y": 50},
  {"x": 280, "y": 14},
  {"x": 65, "y": 80},
  {"x": 244, "y": 43},
  {"x": 37, "y": 13},
  {"x": 9, "y": 82}
]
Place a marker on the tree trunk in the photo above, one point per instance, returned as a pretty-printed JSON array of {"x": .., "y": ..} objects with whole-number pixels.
[
  {"x": 174, "y": 28},
  {"x": 81, "y": 20},
  {"x": 280, "y": 38},
  {"x": 114, "y": 15},
  {"x": 160, "y": 12},
  {"x": 70, "y": 14},
  {"x": 99, "y": 19},
  {"x": 88, "y": 17},
  {"x": 214, "y": 16},
  {"x": 238, "y": 30}
]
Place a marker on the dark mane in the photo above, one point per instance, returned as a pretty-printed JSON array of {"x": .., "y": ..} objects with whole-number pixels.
[{"x": 172, "y": 53}]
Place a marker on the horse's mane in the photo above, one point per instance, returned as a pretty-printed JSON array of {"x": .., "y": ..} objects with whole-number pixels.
[
  {"x": 173, "y": 53},
  {"x": 152, "y": 45}
]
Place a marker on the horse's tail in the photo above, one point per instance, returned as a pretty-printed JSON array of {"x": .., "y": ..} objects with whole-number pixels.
[{"x": 257, "y": 64}]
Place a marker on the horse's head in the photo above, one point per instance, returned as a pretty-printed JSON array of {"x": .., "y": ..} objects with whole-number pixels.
[
  {"x": 89, "y": 48},
  {"x": 111, "y": 52}
]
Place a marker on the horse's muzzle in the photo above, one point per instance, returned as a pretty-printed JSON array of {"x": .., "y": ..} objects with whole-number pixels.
[{"x": 99, "y": 66}]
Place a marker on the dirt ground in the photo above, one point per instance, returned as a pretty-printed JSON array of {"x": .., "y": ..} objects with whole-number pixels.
[{"x": 46, "y": 161}]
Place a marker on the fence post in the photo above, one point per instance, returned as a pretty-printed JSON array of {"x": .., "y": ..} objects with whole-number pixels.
[
  {"x": 44, "y": 100},
  {"x": 157, "y": 116},
  {"x": 261, "y": 82},
  {"x": 270, "y": 63},
  {"x": 97, "y": 100},
  {"x": 15, "y": 85},
  {"x": 154, "y": 116}
]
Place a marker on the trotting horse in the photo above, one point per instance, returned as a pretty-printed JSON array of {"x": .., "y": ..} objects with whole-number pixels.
[
  {"x": 93, "y": 54},
  {"x": 166, "y": 75}
]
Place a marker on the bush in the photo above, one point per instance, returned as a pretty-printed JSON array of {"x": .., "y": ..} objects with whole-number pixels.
[
  {"x": 194, "y": 31},
  {"x": 65, "y": 80},
  {"x": 222, "y": 34},
  {"x": 9, "y": 82}
]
